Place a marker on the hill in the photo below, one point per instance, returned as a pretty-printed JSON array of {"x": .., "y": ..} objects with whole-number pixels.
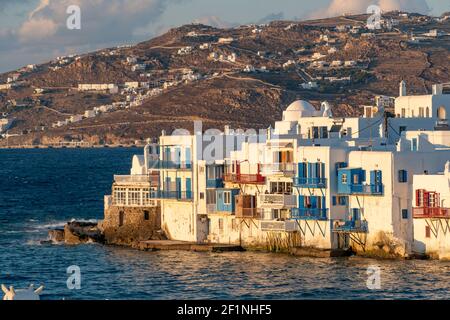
[{"x": 243, "y": 77}]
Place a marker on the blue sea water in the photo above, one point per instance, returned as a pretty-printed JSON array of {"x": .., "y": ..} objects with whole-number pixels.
[{"x": 41, "y": 189}]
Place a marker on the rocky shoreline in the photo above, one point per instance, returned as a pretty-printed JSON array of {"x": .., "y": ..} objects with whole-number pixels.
[{"x": 76, "y": 233}]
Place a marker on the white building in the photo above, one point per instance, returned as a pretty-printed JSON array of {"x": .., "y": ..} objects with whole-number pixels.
[
  {"x": 431, "y": 213},
  {"x": 313, "y": 180}
]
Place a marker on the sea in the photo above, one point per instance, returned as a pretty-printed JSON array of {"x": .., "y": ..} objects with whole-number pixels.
[{"x": 41, "y": 189}]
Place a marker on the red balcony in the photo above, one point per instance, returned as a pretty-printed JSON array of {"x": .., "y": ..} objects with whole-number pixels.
[
  {"x": 244, "y": 178},
  {"x": 429, "y": 212}
]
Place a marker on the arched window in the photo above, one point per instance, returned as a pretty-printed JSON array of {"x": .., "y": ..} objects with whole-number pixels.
[{"x": 441, "y": 113}]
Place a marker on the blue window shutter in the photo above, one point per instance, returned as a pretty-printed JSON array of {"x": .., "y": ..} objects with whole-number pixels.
[
  {"x": 323, "y": 203},
  {"x": 301, "y": 201},
  {"x": 301, "y": 170},
  {"x": 334, "y": 200}
]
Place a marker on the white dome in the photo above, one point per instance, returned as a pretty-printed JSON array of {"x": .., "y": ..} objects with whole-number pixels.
[
  {"x": 298, "y": 109},
  {"x": 301, "y": 105}
]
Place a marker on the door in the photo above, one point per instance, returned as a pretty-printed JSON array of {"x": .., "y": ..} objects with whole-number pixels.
[
  {"x": 178, "y": 188},
  {"x": 188, "y": 188}
]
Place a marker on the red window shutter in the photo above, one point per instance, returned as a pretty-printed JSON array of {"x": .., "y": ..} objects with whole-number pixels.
[
  {"x": 426, "y": 199},
  {"x": 418, "y": 192}
]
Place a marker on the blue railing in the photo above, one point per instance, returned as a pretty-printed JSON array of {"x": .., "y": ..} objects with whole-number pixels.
[
  {"x": 310, "y": 182},
  {"x": 309, "y": 214},
  {"x": 367, "y": 189},
  {"x": 353, "y": 226},
  {"x": 176, "y": 195},
  {"x": 214, "y": 183},
  {"x": 162, "y": 164}
]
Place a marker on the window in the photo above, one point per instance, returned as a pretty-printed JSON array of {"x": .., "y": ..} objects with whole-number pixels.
[
  {"x": 356, "y": 179},
  {"x": 210, "y": 196},
  {"x": 342, "y": 201},
  {"x": 227, "y": 197},
  {"x": 421, "y": 112},
  {"x": 121, "y": 218},
  {"x": 281, "y": 187},
  {"x": 427, "y": 232},
  {"x": 344, "y": 178},
  {"x": 402, "y": 176},
  {"x": 220, "y": 224},
  {"x": 119, "y": 196},
  {"x": 404, "y": 213},
  {"x": 428, "y": 112},
  {"x": 414, "y": 144},
  {"x": 134, "y": 197},
  {"x": 403, "y": 112},
  {"x": 202, "y": 195},
  {"x": 146, "y": 215},
  {"x": 334, "y": 201}
]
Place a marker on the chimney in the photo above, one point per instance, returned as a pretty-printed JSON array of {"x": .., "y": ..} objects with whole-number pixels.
[
  {"x": 163, "y": 133},
  {"x": 227, "y": 130},
  {"x": 402, "y": 88}
]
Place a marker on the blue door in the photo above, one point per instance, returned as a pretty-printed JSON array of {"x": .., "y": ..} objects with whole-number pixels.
[
  {"x": 188, "y": 188},
  {"x": 179, "y": 188}
]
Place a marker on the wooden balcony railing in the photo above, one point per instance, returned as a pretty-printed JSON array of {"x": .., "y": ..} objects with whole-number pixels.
[
  {"x": 248, "y": 212},
  {"x": 427, "y": 212},
  {"x": 244, "y": 178}
]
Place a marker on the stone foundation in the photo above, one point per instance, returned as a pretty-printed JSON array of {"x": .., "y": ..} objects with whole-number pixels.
[{"x": 126, "y": 226}]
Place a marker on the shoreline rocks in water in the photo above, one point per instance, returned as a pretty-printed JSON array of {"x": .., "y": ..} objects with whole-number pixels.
[{"x": 77, "y": 233}]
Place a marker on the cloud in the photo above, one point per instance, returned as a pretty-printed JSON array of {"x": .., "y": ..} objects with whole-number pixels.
[
  {"x": 103, "y": 23},
  {"x": 37, "y": 29},
  {"x": 339, "y": 7}
]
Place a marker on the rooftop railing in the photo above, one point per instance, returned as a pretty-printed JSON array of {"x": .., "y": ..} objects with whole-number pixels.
[{"x": 129, "y": 179}]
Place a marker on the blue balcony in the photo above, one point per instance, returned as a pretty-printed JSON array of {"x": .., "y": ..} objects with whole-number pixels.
[
  {"x": 316, "y": 183},
  {"x": 171, "y": 195},
  {"x": 352, "y": 226},
  {"x": 214, "y": 183},
  {"x": 362, "y": 189},
  {"x": 309, "y": 214},
  {"x": 175, "y": 165}
]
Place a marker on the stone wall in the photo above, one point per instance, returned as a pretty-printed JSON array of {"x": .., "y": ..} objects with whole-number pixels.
[{"x": 125, "y": 225}]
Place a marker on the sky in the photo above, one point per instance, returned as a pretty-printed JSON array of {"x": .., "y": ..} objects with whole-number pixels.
[{"x": 35, "y": 31}]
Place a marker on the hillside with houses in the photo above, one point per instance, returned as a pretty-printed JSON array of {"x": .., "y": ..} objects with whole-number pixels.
[{"x": 240, "y": 76}]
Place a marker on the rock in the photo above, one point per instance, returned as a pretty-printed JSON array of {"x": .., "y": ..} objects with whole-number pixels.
[
  {"x": 400, "y": 251},
  {"x": 56, "y": 235},
  {"x": 82, "y": 232}
]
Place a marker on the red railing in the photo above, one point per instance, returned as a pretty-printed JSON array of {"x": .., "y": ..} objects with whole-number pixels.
[
  {"x": 244, "y": 178},
  {"x": 429, "y": 212}
]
